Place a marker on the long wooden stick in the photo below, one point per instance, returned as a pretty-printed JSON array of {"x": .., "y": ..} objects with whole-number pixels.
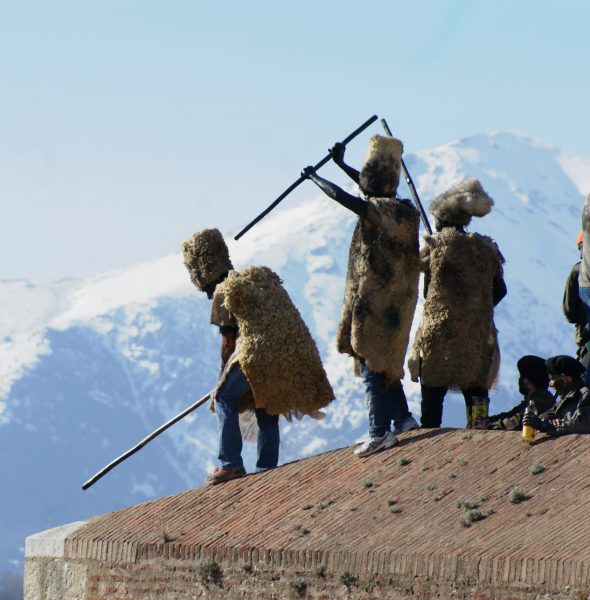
[
  {"x": 302, "y": 179},
  {"x": 143, "y": 442},
  {"x": 411, "y": 185}
]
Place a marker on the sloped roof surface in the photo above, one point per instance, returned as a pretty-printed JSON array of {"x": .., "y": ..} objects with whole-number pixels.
[{"x": 379, "y": 515}]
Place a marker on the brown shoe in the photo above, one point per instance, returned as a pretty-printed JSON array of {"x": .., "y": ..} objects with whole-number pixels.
[{"x": 222, "y": 474}]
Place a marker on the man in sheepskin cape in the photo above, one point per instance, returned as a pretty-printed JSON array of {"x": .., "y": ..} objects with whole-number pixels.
[
  {"x": 456, "y": 344},
  {"x": 381, "y": 285},
  {"x": 270, "y": 363}
]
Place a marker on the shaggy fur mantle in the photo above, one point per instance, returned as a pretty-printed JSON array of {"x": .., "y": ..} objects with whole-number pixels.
[
  {"x": 381, "y": 287},
  {"x": 456, "y": 344},
  {"x": 275, "y": 349}
]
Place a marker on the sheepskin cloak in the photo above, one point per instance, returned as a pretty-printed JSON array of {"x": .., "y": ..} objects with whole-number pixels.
[
  {"x": 381, "y": 287},
  {"x": 275, "y": 349},
  {"x": 456, "y": 343}
]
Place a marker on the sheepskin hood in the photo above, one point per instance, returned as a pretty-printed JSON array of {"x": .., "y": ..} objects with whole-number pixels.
[
  {"x": 379, "y": 176},
  {"x": 462, "y": 202},
  {"x": 275, "y": 349},
  {"x": 206, "y": 257}
]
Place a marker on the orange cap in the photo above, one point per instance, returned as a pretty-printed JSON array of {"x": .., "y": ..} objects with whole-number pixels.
[{"x": 580, "y": 238}]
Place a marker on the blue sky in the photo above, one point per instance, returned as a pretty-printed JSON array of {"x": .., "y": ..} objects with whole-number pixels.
[{"x": 125, "y": 125}]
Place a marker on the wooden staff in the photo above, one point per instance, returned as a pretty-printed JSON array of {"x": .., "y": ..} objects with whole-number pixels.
[
  {"x": 143, "y": 442},
  {"x": 410, "y": 185},
  {"x": 301, "y": 179}
]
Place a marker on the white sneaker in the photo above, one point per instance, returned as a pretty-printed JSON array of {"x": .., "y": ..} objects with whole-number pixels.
[
  {"x": 408, "y": 425},
  {"x": 375, "y": 444}
]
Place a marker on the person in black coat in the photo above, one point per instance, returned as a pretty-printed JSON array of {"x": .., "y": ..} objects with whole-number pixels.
[
  {"x": 532, "y": 384},
  {"x": 571, "y": 413}
]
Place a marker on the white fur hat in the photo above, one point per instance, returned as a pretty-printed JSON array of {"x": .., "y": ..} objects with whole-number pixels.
[
  {"x": 462, "y": 202},
  {"x": 379, "y": 176},
  {"x": 206, "y": 257}
]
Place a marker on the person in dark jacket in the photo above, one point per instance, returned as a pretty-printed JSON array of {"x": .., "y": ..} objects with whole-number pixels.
[
  {"x": 571, "y": 413},
  {"x": 574, "y": 309},
  {"x": 532, "y": 384}
]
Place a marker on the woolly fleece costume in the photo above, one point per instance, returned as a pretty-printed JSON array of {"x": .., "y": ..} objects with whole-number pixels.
[
  {"x": 382, "y": 281},
  {"x": 275, "y": 349},
  {"x": 456, "y": 343}
]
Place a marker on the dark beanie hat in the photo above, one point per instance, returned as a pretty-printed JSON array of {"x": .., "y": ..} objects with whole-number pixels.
[
  {"x": 533, "y": 368},
  {"x": 564, "y": 365}
]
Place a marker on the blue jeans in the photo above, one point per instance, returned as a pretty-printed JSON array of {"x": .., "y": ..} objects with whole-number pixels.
[
  {"x": 230, "y": 437},
  {"x": 386, "y": 402}
]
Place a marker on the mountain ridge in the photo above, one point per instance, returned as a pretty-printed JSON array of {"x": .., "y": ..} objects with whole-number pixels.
[{"x": 89, "y": 365}]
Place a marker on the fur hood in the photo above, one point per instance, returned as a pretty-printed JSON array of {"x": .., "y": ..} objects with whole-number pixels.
[
  {"x": 456, "y": 342},
  {"x": 379, "y": 176},
  {"x": 206, "y": 257},
  {"x": 381, "y": 287},
  {"x": 276, "y": 351},
  {"x": 462, "y": 202}
]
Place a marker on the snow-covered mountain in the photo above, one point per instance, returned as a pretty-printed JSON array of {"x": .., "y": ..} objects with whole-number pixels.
[{"x": 89, "y": 366}]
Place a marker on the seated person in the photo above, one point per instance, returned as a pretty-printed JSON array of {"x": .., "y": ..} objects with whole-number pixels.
[
  {"x": 532, "y": 384},
  {"x": 571, "y": 412}
]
